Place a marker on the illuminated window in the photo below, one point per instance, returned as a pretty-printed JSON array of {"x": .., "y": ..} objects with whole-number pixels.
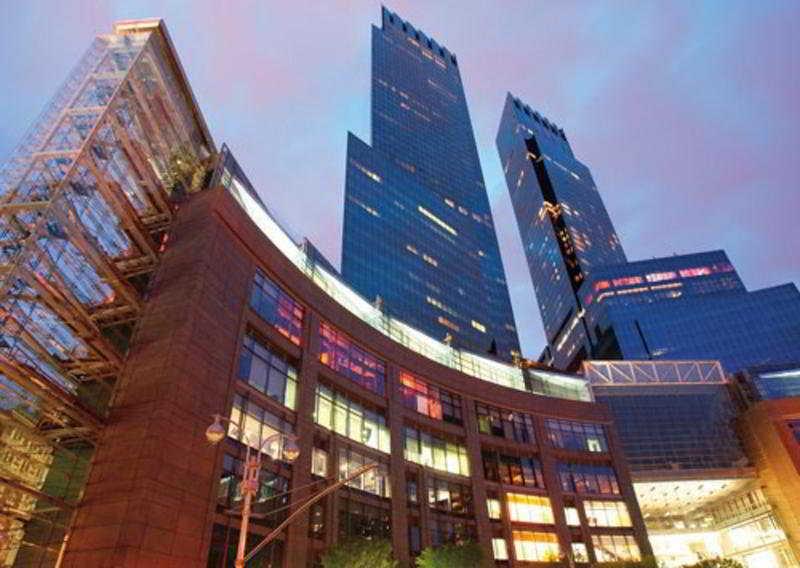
[
  {"x": 529, "y": 509},
  {"x": 374, "y": 481},
  {"x": 692, "y": 272},
  {"x": 535, "y": 546},
  {"x": 512, "y": 470},
  {"x": 607, "y": 514},
  {"x": 517, "y": 426},
  {"x": 661, "y": 276},
  {"x": 499, "y": 549},
  {"x": 582, "y": 436},
  {"x": 277, "y": 307},
  {"x": 430, "y": 260},
  {"x": 319, "y": 462},
  {"x": 448, "y": 497},
  {"x": 370, "y": 174},
  {"x": 430, "y": 400},
  {"x": 436, "y": 220},
  {"x": 588, "y": 478},
  {"x": 627, "y": 281},
  {"x": 579, "y": 552},
  {"x": 447, "y": 323},
  {"x": 263, "y": 368},
  {"x": 601, "y": 285},
  {"x": 251, "y": 425},
  {"x": 479, "y": 326},
  {"x": 336, "y": 412},
  {"x": 615, "y": 548},
  {"x": 573, "y": 518},
  {"x": 431, "y": 451},
  {"x": 412, "y": 249},
  {"x": 345, "y": 357},
  {"x": 493, "y": 507}
]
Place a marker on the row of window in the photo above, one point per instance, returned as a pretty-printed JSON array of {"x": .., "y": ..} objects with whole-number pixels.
[
  {"x": 588, "y": 478},
  {"x": 265, "y": 369},
  {"x": 512, "y": 470},
  {"x": 334, "y": 411},
  {"x": 429, "y": 400},
  {"x": 516, "y": 426},
  {"x": 432, "y": 451}
]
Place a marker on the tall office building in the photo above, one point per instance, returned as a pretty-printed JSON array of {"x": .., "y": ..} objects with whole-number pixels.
[
  {"x": 594, "y": 303},
  {"x": 418, "y": 229},
  {"x": 565, "y": 228}
]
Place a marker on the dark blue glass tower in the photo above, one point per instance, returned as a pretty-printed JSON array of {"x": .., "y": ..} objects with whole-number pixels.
[
  {"x": 565, "y": 228},
  {"x": 418, "y": 230},
  {"x": 596, "y": 304}
]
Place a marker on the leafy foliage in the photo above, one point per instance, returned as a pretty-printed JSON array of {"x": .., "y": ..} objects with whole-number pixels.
[
  {"x": 717, "y": 563},
  {"x": 646, "y": 562},
  {"x": 185, "y": 173},
  {"x": 360, "y": 553},
  {"x": 467, "y": 555}
]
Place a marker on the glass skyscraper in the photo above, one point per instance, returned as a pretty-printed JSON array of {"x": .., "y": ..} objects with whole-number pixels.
[
  {"x": 418, "y": 229},
  {"x": 564, "y": 226},
  {"x": 596, "y": 304}
]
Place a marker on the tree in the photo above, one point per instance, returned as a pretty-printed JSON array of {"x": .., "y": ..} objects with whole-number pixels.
[
  {"x": 360, "y": 553},
  {"x": 467, "y": 555},
  {"x": 717, "y": 563},
  {"x": 646, "y": 562},
  {"x": 185, "y": 173}
]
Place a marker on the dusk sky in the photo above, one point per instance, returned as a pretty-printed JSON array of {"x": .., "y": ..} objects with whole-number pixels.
[{"x": 687, "y": 113}]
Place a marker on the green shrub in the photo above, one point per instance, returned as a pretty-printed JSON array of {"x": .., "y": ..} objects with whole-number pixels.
[
  {"x": 467, "y": 555},
  {"x": 360, "y": 553}
]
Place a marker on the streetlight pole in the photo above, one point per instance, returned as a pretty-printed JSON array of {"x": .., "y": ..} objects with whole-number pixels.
[{"x": 252, "y": 471}]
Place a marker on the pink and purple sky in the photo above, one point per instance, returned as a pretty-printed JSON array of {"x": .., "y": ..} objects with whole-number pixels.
[{"x": 688, "y": 113}]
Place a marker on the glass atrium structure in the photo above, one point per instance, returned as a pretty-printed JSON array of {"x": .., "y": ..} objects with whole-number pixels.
[{"x": 84, "y": 203}]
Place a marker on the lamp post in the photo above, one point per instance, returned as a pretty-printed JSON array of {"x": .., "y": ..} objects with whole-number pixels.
[{"x": 252, "y": 470}]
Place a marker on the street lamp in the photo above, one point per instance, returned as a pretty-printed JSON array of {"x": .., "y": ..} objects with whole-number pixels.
[{"x": 215, "y": 433}]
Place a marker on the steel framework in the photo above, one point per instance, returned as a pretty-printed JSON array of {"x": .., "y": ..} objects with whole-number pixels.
[{"x": 84, "y": 205}]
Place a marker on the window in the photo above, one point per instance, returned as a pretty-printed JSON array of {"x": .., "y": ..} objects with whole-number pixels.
[
  {"x": 448, "y": 497},
  {"x": 445, "y": 531},
  {"x": 516, "y": 426},
  {"x": 573, "y": 519},
  {"x": 336, "y": 412},
  {"x": 615, "y": 548},
  {"x": 251, "y": 425},
  {"x": 374, "y": 481},
  {"x": 412, "y": 489},
  {"x": 607, "y": 514},
  {"x": 357, "y": 519},
  {"x": 493, "y": 505},
  {"x": 529, "y": 509},
  {"x": 512, "y": 470},
  {"x": 579, "y": 552},
  {"x": 414, "y": 537},
  {"x": 264, "y": 369},
  {"x": 627, "y": 281},
  {"x": 692, "y": 272},
  {"x": 429, "y": 400},
  {"x": 588, "y": 478},
  {"x": 277, "y": 307},
  {"x": 582, "y": 436},
  {"x": 272, "y": 498},
  {"x": 499, "y": 549},
  {"x": 316, "y": 521},
  {"x": 319, "y": 462},
  {"x": 661, "y": 276},
  {"x": 432, "y": 451},
  {"x": 346, "y": 358},
  {"x": 535, "y": 546}
]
